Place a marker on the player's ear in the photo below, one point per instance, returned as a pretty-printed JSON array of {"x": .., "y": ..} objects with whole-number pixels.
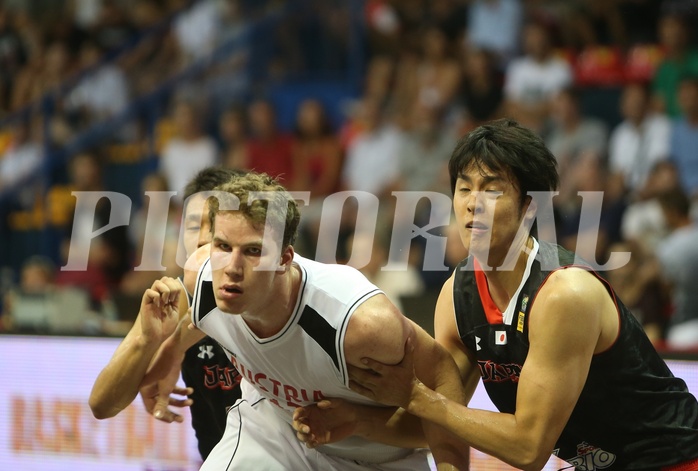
[
  {"x": 530, "y": 207},
  {"x": 286, "y": 259}
]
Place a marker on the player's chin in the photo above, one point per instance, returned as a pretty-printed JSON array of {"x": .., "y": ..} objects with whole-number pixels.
[{"x": 230, "y": 306}]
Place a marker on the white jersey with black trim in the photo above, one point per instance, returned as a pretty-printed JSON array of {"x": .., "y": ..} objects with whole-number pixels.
[{"x": 305, "y": 361}]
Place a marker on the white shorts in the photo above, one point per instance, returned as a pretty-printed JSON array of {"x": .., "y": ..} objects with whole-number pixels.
[{"x": 256, "y": 438}]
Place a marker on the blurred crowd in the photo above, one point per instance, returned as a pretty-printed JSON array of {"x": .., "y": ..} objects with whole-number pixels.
[{"x": 432, "y": 71}]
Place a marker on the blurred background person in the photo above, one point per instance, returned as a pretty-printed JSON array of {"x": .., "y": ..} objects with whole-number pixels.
[
  {"x": 269, "y": 149},
  {"x": 680, "y": 60},
  {"x": 638, "y": 142},
  {"x": 232, "y": 130},
  {"x": 481, "y": 94},
  {"x": 531, "y": 81},
  {"x": 189, "y": 150},
  {"x": 684, "y": 136},
  {"x": 678, "y": 256}
]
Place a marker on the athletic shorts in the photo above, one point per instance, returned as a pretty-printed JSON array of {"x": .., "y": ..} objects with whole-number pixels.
[{"x": 256, "y": 438}]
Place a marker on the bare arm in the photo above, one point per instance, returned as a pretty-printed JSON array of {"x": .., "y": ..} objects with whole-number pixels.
[
  {"x": 118, "y": 383},
  {"x": 554, "y": 374},
  {"x": 380, "y": 333}
]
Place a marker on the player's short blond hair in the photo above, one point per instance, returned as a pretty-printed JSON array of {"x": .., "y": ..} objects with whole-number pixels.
[{"x": 257, "y": 210}]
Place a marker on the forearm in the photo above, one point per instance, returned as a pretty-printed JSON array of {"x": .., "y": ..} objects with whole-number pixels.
[
  {"x": 448, "y": 450},
  {"x": 390, "y": 426},
  {"x": 118, "y": 383},
  {"x": 489, "y": 432},
  {"x": 172, "y": 352}
]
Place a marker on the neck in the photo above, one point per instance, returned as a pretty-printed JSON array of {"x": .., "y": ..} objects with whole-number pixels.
[
  {"x": 503, "y": 283},
  {"x": 268, "y": 320}
]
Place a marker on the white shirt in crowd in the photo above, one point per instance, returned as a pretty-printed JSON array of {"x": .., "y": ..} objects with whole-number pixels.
[
  {"x": 372, "y": 163},
  {"x": 633, "y": 151},
  {"x": 529, "y": 81},
  {"x": 181, "y": 159}
]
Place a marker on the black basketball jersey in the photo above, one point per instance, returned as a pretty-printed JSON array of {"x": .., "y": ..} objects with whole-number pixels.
[
  {"x": 632, "y": 414},
  {"x": 216, "y": 383}
]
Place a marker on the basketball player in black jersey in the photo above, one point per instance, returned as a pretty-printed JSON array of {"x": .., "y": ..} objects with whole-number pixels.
[
  {"x": 213, "y": 383},
  {"x": 565, "y": 362}
]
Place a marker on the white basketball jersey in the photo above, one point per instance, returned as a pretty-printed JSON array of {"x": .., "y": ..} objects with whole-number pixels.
[{"x": 305, "y": 361}]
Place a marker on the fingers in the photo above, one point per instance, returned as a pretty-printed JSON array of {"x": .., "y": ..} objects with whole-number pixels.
[
  {"x": 162, "y": 401},
  {"x": 327, "y": 404},
  {"x": 300, "y": 415},
  {"x": 174, "y": 402},
  {"x": 162, "y": 413},
  {"x": 183, "y": 391},
  {"x": 163, "y": 292}
]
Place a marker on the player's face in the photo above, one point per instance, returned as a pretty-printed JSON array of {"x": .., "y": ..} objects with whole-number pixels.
[
  {"x": 236, "y": 251},
  {"x": 197, "y": 224},
  {"x": 488, "y": 212}
]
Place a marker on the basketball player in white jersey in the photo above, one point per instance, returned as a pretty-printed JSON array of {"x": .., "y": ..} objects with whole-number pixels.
[{"x": 292, "y": 327}]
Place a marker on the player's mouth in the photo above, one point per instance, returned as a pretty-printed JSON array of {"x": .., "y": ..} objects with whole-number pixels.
[
  {"x": 476, "y": 227},
  {"x": 230, "y": 291}
]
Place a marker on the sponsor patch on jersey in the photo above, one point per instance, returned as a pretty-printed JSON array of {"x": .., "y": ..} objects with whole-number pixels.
[
  {"x": 520, "y": 322},
  {"x": 477, "y": 344},
  {"x": 591, "y": 458},
  {"x": 500, "y": 337},
  {"x": 524, "y": 302}
]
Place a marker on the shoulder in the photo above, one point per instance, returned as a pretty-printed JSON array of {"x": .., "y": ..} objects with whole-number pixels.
[
  {"x": 376, "y": 330},
  {"x": 571, "y": 279},
  {"x": 571, "y": 289},
  {"x": 342, "y": 282}
]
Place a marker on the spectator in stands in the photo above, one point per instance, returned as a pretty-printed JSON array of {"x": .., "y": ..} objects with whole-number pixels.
[
  {"x": 577, "y": 142},
  {"x": 190, "y": 150},
  {"x": 684, "y": 136},
  {"x": 13, "y": 56},
  {"x": 643, "y": 221},
  {"x": 36, "y": 279},
  {"x": 678, "y": 255},
  {"x": 594, "y": 23},
  {"x": 156, "y": 55},
  {"x": 495, "y": 25},
  {"x": 269, "y": 150},
  {"x": 23, "y": 155},
  {"x": 232, "y": 131},
  {"x": 196, "y": 28},
  {"x": 114, "y": 26},
  {"x": 438, "y": 74},
  {"x": 424, "y": 152},
  {"x": 680, "y": 60},
  {"x": 44, "y": 73},
  {"x": 110, "y": 255},
  {"x": 318, "y": 158},
  {"x": 639, "y": 142},
  {"x": 317, "y": 153},
  {"x": 481, "y": 94},
  {"x": 450, "y": 16},
  {"x": 136, "y": 281},
  {"x": 382, "y": 28},
  {"x": 531, "y": 81},
  {"x": 638, "y": 283},
  {"x": 394, "y": 283},
  {"x": 103, "y": 92},
  {"x": 372, "y": 159}
]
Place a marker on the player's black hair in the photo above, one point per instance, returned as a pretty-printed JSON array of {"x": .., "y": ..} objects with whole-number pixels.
[
  {"x": 209, "y": 178},
  {"x": 506, "y": 146}
]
